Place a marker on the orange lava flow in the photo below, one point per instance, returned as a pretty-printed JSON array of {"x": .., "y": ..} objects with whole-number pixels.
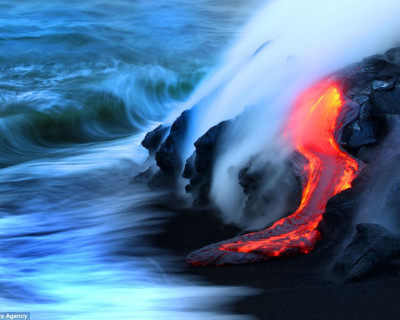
[{"x": 312, "y": 127}]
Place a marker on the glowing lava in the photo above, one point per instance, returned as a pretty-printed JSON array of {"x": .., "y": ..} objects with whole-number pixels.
[{"x": 313, "y": 128}]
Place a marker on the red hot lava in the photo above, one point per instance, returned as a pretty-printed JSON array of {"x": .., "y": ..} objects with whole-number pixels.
[{"x": 313, "y": 126}]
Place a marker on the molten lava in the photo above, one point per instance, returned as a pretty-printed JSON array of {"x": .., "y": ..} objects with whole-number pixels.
[{"x": 314, "y": 124}]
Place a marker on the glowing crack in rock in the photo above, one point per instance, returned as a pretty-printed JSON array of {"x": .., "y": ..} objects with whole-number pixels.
[{"x": 314, "y": 125}]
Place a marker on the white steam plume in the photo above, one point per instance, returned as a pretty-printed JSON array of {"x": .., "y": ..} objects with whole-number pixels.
[{"x": 284, "y": 49}]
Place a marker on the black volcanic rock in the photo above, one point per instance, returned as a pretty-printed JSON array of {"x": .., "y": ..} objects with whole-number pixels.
[
  {"x": 386, "y": 101},
  {"x": 168, "y": 157},
  {"x": 371, "y": 248},
  {"x": 393, "y": 55},
  {"x": 154, "y": 138},
  {"x": 251, "y": 178},
  {"x": 393, "y": 200},
  {"x": 199, "y": 166},
  {"x": 380, "y": 85},
  {"x": 373, "y": 85},
  {"x": 337, "y": 219},
  {"x": 168, "y": 153},
  {"x": 360, "y": 133},
  {"x": 270, "y": 188},
  {"x": 166, "y": 144},
  {"x": 358, "y": 78}
]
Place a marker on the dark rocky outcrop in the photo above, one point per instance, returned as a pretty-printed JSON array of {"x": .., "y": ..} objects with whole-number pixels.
[
  {"x": 386, "y": 102},
  {"x": 168, "y": 150},
  {"x": 393, "y": 204},
  {"x": 168, "y": 157},
  {"x": 270, "y": 188},
  {"x": 200, "y": 165},
  {"x": 339, "y": 214},
  {"x": 153, "y": 139},
  {"x": 372, "y": 84},
  {"x": 371, "y": 248},
  {"x": 360, "y": 133}
]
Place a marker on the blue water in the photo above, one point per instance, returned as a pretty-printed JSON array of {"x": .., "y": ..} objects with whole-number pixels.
[{"x": 80, "y": 83}]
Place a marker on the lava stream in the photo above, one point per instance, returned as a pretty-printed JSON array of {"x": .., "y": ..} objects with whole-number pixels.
[{"x": 314, "y": 124}]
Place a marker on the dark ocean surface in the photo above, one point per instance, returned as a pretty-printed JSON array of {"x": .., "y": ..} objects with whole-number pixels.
[{"x": 80, "y": 83}]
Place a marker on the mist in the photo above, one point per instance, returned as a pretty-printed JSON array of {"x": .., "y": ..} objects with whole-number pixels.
[
  {"x": 379, "y": 202},
  {"x": 285, "y": 48},
  {"x": 85, "y": 245}
]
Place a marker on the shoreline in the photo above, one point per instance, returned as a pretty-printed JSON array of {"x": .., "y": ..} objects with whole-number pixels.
[{"x": 293, "y": 287}]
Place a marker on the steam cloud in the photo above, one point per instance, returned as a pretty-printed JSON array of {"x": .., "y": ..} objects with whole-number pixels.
[{"x": 285, "y": 48}]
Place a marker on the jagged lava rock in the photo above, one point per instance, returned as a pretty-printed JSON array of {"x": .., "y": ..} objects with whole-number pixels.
[
  {"x": 371, "y": 248},
  {"x": 387, "y": 101},
  {"x": 269, "y": 188},
  {"x": 153, "y": 139},
  {"x": 168, "y": 157},
  {"x": 360, "y": 133},
  {"x": 199, "y": 166},
  {"x": 337, "y": 219},
  {"x": 373, "y": 84}
]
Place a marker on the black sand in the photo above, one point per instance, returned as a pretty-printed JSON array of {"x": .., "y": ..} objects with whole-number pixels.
[{"x": 298, "y": 287}]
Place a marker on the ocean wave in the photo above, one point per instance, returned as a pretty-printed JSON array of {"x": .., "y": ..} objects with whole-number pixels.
[
  {"x": 124, "y": 103},
  {"x": 80, "y": 84},
  {"x": 74, "y": 244}
]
